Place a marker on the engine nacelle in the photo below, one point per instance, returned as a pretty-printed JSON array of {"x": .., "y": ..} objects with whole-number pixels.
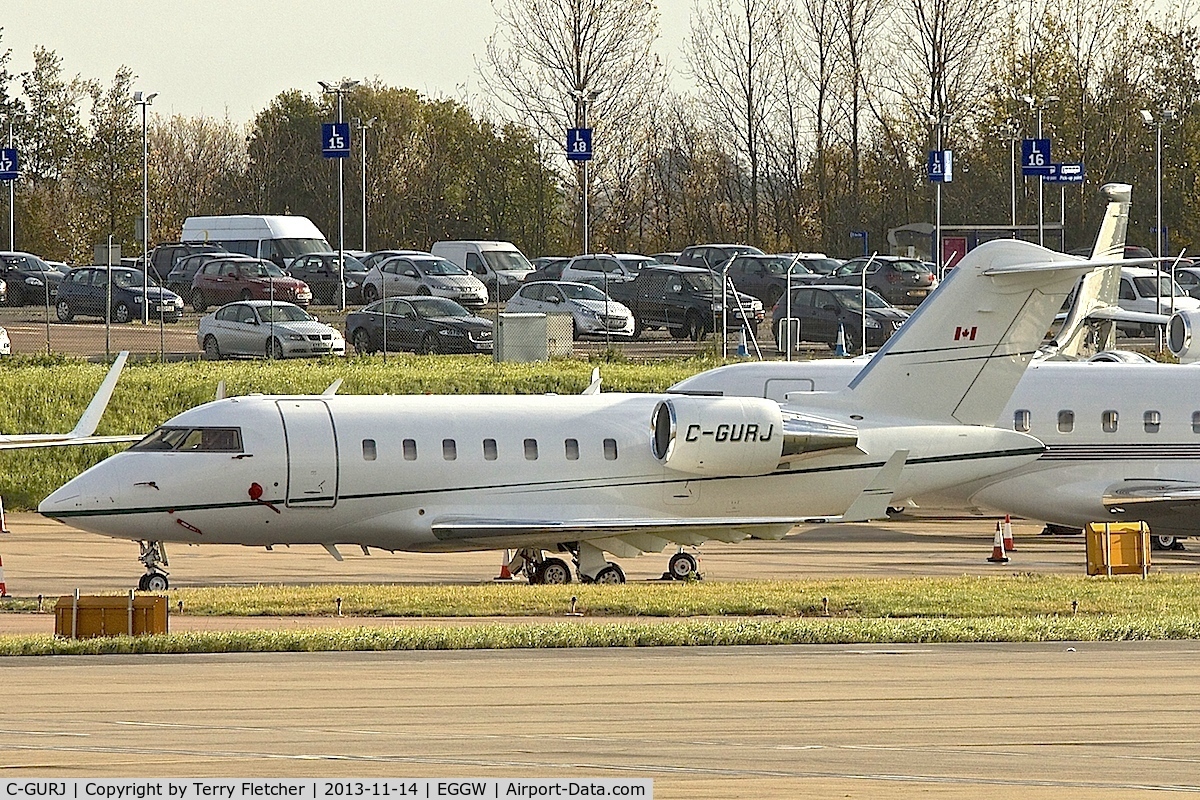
[
  {"x": 734, "y": 436},
  {"x": 1182, "y": 332}
]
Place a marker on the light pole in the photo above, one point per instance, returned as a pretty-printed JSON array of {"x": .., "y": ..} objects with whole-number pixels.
[
  {"x": 1011, "y": 130},
  {"x": 583, "y": 99},
  {"x": 11, "y": 194},
  {"x": 1151, "y": 122},
  {"x": 1040, "y": 104},
  {"x": 362, "y": 145},
  {"x": 340, "y": 89},
  {"x": 942, "y": 123},
  {"x": 144, "y": 100}
]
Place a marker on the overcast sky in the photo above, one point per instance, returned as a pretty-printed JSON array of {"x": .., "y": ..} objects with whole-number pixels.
[{"x": 219, "y": 57}]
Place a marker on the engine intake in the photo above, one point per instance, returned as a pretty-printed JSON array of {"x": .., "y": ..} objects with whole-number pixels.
[
  {"x": 1181, "y": 336},
  {"x": 737, "y": 436}
]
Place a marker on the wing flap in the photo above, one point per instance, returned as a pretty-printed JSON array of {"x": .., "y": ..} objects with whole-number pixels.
[{"x": 622, "y": 537}]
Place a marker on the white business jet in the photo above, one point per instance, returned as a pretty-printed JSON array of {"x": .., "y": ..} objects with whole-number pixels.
[
  {"x": 85, "y": 428},
  {"x": 591, "y": 475},
  {"x": 1122, "y": 439}
]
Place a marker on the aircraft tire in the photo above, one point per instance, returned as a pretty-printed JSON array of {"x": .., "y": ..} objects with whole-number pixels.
[
  {"x": 682, "y": 566},
  {"x": 554, "y": 572},
  {"x": 155, "y": 582},
  {"x": 612, "y": 574}
]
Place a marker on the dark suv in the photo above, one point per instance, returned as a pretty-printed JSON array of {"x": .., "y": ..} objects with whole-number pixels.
[
  {"x": 29, "y": 278},
  {"x": 165, "y": 256},
  {"x": 820, "y": 311},
  {"x": 902, "y": 281},
  {"x": 766, "y": 277},
  {"x": 685, "y": 301},
  {"x": 320, "y": 272},
  {"x": 712, "y": 256},
  {"x": 85, "y": 291}
]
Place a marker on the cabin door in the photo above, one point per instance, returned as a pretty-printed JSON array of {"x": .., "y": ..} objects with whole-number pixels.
[{"x": 312, "y": 479}]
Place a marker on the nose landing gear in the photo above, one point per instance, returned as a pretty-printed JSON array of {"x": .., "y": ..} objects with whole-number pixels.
[{"x": 155, "y": 579}]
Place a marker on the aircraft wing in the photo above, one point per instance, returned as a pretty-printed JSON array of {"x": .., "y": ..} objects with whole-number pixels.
[
  {"x": 622, "y": 537},
  {"x": 1169, "y": 507},
  {"x": 1121, "y": 315},
  {"x": 59, "y": 441}
]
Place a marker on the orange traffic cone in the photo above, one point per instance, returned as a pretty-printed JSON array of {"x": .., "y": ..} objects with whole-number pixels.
[
  {"x": 1008, "y": 540},
  {"x": 997, "y": 556},
  {"x": 3, "y": 587},
  {"x": 505, "y": 573}
]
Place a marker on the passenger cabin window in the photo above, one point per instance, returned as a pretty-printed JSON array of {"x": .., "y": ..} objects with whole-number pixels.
[
  {"x": 572, "y": 447},
  {"x": 194, "y": 440},
  {"x": 1021, "y": 420},
  {"x": 489, "y": 449},
  {"x": 1108, "y": 421},
  {"x": 449, "y": 450},
  {"x": 410, "y": 449},
  {"x": 1196, "y": 422},
  {"x": 1066, "y": 421},
  {"x": 531, "y": 450},
  {"x": 1152, "y": 421},
  {"x": 369, "y": 450},
  {"x": 610, "y": 449}
]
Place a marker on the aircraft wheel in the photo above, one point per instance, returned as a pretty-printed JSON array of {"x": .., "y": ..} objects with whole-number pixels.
[
  {"x": 612, "y": 574},
  {"x": 554, "y": 572},
  {"x": 155, "y": 582},
  {"x": 1163, "y": 542},
  {"x": 682, "y": 566}
]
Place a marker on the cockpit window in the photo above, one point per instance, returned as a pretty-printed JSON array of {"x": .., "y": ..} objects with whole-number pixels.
[{"x": 195, "y": 440}]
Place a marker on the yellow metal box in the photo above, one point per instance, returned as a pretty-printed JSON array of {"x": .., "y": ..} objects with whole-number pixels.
[
  {"x": 1118, "y": 548},
  {"x": 109, "y": 615}
]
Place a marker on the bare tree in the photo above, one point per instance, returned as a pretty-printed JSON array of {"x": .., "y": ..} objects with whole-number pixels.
[
  {"x": 558, "y": 63},
  {"x": 735, "y": 65}
]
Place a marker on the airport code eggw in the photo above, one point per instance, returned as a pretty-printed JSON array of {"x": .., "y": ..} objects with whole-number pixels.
[{"x": 247, "y": 789}]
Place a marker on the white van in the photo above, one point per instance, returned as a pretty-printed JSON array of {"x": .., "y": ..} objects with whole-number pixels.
[
  {"x": 1137, "y": 292},
  {"x": 273, "y": 237},
  {"x": 500, "y": 265}
]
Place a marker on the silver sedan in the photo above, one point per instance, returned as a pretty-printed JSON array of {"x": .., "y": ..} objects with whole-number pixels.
[
  {"x": 594, "y": 313},
  {"x": 262, "y": 328}
]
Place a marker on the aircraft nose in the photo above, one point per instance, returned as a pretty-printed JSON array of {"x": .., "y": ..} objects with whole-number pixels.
[{"x": 83, "y": 493}]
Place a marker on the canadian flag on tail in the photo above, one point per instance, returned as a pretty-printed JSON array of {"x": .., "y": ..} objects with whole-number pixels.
[{"x": 965, "y": 333}]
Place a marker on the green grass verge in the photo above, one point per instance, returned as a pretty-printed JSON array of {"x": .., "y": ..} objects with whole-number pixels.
[
  {"x": 1013, "y": 596},
  {"x": 48, "y": 393},
  {"x": 687, "y": 633}
]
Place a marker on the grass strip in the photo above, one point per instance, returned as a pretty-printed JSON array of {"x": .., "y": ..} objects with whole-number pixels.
[
  {"x": 683, "y": 633},
  {"x": 947, "y": 597}
]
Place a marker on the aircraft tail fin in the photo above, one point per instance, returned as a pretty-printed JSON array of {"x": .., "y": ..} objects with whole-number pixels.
[
  {"x": 961, "y": 354},
  {"x": 1079, "y": 336},
  {"x": 95, "y": 409}
]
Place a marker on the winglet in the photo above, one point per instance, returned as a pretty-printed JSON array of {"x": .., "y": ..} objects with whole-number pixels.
[
  {"x": 594, "y": 386},
  {"x": 95, "y": 410},
  {"x": 332, "y": 388},
  {"x": 874, "y": 500},
  {"x": 220, "y": 390}
]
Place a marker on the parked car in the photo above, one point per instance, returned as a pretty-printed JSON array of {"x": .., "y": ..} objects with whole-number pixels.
[
  {"x": 422, "y": 324},
  {"x": 225, "y": 280},
  {"x": 165, "y": 256},
  {"x": 547, "y": 268},
  {"x": 500, "y": 265},
  {"x": 710, "y": 256},
  {"x": 665, "y": 258},
  {"x": 263, "y": 328},
  {"x": 593, "y": 312},
  {"x": 899, "y": 280},
  {"x": 822, "y": 309},
  {"x": 602, "y": 269},
  {"x": 766, "y": 277},
  {"x": 3, "y": 292},
  {"x": 1149, "y": 291},
  {"x": 685, "y": 301},
  {"x": 819, "y": 263},
  {"x": 5, "y": 343},
  {"x": 424, "y": 275},
  {"x": 29, "y": 279},
  {"x": 86, "y": 291},
  {"x": 1187, "y": 275},
  {"x": 179, "y": 279},
  {"x": 320, "y": 272}
]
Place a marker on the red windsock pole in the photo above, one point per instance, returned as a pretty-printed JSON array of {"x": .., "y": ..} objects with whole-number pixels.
[{"x": 997, "y": 556}]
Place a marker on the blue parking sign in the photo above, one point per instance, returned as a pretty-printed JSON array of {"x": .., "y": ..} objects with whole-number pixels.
[
  {"x": 579, "y": 144},
  {"x": 335, "y": 139},
  {"x": 9, "y": 164},
  {"x": 1035, "y": 157},
  {"x": 941, "y": 166}
]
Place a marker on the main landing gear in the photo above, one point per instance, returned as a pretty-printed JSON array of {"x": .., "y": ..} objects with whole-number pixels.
[
  {"x": 155, "y": 579},
  {"x": 590, "y": 566}
]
